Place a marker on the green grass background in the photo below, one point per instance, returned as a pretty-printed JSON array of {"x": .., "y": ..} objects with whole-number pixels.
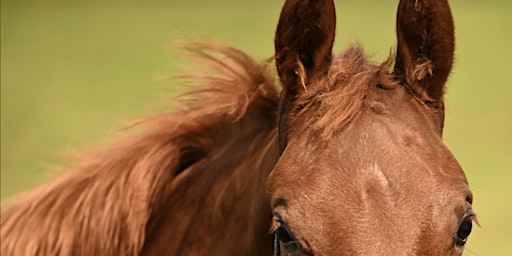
[{"x": 73, "y": 71}]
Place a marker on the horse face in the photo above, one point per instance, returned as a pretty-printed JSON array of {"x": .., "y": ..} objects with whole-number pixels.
[
  {"x": 363, "y": 169},
  {"x": 385, "y": 185}
]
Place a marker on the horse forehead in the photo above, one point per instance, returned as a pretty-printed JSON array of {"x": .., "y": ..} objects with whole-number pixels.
[
  {"x": 377, "y": 174},
  {"x": 384, "y": 156}
]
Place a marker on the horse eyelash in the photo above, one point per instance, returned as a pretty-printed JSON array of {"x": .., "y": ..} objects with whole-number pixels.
[{"x": 276, "y": 224}]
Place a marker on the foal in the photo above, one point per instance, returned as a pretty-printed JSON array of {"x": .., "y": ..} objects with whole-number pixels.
[{"x": 347, "y": 160}]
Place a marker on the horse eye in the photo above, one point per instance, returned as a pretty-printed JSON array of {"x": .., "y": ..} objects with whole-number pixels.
[
  {"x": 464, "y": 230},
  {"x": 283, "y": 235},
  {"x": 286, "y": 240}
]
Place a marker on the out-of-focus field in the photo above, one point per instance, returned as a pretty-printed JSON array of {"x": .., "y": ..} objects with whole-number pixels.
[{"x": 72, "y": 73}]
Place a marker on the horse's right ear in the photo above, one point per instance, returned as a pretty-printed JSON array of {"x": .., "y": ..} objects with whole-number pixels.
[{"x": 303, "y": 42}]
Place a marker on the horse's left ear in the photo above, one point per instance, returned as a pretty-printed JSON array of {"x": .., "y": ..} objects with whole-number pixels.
[{"x": 425, "y": 47}]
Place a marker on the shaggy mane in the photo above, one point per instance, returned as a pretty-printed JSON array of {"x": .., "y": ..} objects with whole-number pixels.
[{"x": 102, "y": 206}]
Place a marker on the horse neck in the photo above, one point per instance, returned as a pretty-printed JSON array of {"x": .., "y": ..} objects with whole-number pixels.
[
  {"x": 218, "y": 205},
  {"x": 143, "y": 199},
  {"x": 170, "y": 188}
]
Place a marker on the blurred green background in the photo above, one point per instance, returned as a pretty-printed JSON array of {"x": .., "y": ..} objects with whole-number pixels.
[{"x": 72, "y": 73}]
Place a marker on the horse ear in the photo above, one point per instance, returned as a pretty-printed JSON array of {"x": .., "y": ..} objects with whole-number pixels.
[
  {"x": 303, "y": 42},
  {"x": 424, "y": 56}
]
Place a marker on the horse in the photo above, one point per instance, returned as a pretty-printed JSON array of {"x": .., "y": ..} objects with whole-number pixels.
[{"x": 347, "y": 158}]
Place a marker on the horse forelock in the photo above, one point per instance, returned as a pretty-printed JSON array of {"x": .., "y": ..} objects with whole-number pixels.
[
  {"x": 102, "y": 206},
  {"x": 331, "y": 101}
]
